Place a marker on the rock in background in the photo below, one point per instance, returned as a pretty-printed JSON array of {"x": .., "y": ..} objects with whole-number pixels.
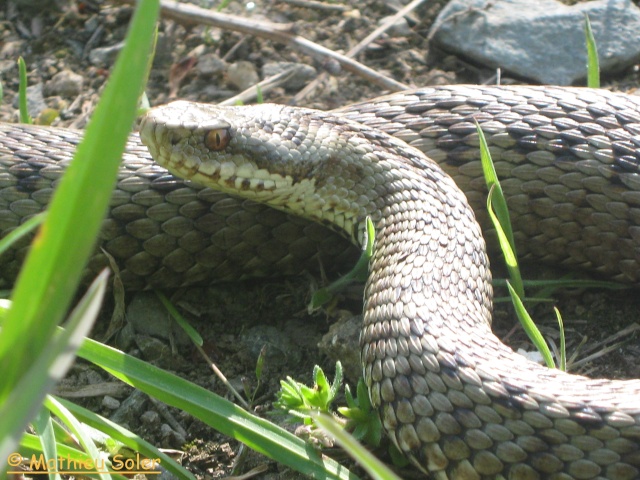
[{"x": 542, "y": 40}]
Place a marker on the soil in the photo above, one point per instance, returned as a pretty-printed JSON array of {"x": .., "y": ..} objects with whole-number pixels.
[{"x": 238, "y": 320}]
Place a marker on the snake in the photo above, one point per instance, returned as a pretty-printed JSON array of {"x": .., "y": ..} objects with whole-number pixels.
[{"x": 454, "y": 399}]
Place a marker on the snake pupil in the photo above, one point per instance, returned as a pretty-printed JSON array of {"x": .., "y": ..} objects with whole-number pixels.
[{"x": 217, "y": 139}]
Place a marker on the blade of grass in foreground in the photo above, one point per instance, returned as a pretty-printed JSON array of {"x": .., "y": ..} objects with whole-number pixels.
[
  {"x": 50, "y": 364},
  {"x": 62, "y": 246},
  {"x": 29, "y": 344}
]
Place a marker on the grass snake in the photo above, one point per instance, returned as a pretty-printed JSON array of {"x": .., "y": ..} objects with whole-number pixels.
[{"x": 458, "y": 402}]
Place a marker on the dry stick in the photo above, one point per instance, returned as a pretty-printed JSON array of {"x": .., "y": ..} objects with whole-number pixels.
[
  {"x": 278, "y": 32},
  {"x": 334, "y": 7},
  {"x": 360, "y": 47}
]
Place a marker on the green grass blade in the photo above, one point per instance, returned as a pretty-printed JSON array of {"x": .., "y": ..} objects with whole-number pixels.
[
  {"x": 226, "y": 417},
  {"x": 530, "y": 327},
  {"x": 62, "y": 246},
  {"x": 563, "y": 343},
  {"x": 43, "y": 426},
  {"x": 124, "y": 436},
  {"x": 505, "y": 246},
  {"x": 21, "y": 231},
  {"x": 499, "y": 213},
  {"x": 25, "y": 399},
  {"x": 195, "y": 337},
  {"x": 30, "y": 448},
  {"x": 374, "y": 467},
  {"x": 76, "y": 427},
  {"x": 593, "y": 61},
  {"x": 22, "y": 93}
]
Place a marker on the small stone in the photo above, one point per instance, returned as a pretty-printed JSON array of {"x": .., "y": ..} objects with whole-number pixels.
[
  {"x": 209, "y": 65},
  {"x": 13, "y": 49},
  {"x": 110, "y": 402},
  {"x": 150, "y": 417},
  {"x": 153, "y": 350},
  {"x": 148, "y": 316},
  {"x": 400, "y": 27},
  {"x": 342, "y": 343},
  {"x": 105, "y": 56},
  {"x": 301, "y": 75},
  {"x": 35, "y": 100},
  {"x": 64, "y": 83},
  {"x": 242, "y": 75}
]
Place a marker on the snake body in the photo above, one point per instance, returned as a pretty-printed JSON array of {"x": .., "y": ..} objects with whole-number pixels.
[{"x": 452, "y": 397}]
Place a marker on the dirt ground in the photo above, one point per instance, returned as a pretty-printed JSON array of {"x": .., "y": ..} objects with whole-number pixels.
[{"x": 238, "y": 320}]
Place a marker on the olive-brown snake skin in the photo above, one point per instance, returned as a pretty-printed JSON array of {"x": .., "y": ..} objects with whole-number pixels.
[{"x": 458, "y": 402}]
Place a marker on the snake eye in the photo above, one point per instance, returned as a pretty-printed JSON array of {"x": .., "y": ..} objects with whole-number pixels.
[{"x": 217, "y": 139}]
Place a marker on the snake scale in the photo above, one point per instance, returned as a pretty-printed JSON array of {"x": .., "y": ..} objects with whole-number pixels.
[{"x": 459, "y": 403}]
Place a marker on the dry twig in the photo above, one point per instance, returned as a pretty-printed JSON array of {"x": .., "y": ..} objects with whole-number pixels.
[{"x": 278, "y": 32}]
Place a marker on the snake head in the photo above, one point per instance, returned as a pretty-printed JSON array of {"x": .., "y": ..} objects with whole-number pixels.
[
  {"x": 291, "y": 158},
  {"x": 252, "y": 151}
]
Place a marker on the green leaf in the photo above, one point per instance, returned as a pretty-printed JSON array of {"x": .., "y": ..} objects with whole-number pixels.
[
  {"x": 78, "y": 430},
  {"x": 358, "y": 273},
  {"x": 530, "y": 328},
  {"x": 117, "y": 433},
  {"x": 499, "y": 213},
  {"x": 22, "y": 230},
  {"x": 563, "y": 345},
  {"x": 193, "y": 334},
  {"x": 373, "y": 466},
  {"x": 22, "y": 93},
  {"x": 593, "y": 62},
  {"x": 43, "y": 426}
]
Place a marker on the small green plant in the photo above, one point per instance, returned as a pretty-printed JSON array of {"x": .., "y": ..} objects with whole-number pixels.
[
  {"x": 362, "y": 420},
  {"x": 593, "y": 62},
  {"x": 22, "y": 93},
  {"x": 305, "y": 404},
  {"x": 299, "y": 400}
]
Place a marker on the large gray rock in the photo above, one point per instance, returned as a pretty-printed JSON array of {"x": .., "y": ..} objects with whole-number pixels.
[{"x": 540, "y": 40}]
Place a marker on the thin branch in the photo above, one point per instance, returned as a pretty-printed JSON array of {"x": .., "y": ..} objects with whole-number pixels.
[
  {"x": 278, "y": 32},
  {"x": 332, "y": 7},
  {"x": 360, "y": 46}
]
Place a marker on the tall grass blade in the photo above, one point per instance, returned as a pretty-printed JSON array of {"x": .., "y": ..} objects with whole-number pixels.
[{"x": 593, "y": 61}]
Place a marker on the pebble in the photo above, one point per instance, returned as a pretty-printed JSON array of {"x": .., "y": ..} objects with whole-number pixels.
[
  {"x": 280, "y": 348},
  {"x": 154, "y": 351},
  {"x": 210, "y": 65},
  {"x": 65, "y": 83},
  {"x": 342, "y": 342},
  {"x": 150, "y": 417},
  {"x": 105, "y": 56},
  {"x": 242, "y": 75},
  {"x": 400, "y": 27},
  {"x": 148, "y": 316},
  {"x": 35, "y": 99},
  {"x": 110, "y": 402},
  {"x": 542, "y": 41},
  {"x": 302, "y": 74}
]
